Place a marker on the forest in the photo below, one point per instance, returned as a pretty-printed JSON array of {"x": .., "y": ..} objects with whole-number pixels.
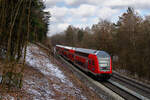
[
  {"x": 127, "y": 41},
  {"x": 21, "y": 22}
]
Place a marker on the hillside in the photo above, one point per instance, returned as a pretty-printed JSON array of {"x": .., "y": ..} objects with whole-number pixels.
[{"x": 44, "y": 80}]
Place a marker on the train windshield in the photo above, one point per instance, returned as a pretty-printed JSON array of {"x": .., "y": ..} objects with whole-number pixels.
[
  {"x": 102, "y": 54},
  {"x": 104, "y": 60}
]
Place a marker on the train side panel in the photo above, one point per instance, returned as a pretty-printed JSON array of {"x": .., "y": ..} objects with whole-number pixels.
[
  {"x": 81, "y": 62},
  {"x": 71, "y": 55},
  {"x": 93, "y": 64}
]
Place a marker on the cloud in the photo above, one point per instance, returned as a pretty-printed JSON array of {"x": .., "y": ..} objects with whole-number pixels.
[
  {"x": 83, "y": 13},
  {"x": 69, "y": 19},
  {"x": 57, "y": 28},
  {"x": 74, "y": 2},
  {"x": 115, "y": 4},
  {"x": 50, "y": 3},
  {"x": 80, "y": 2},
  {"x": 107, "y": 13},
  {"x": 143, "y": 4},
  {"x": 82, "y": 16},
  {"x": 84, "y": 20},
  {"x": 58, "y": 12},
  {"x": 120, "y": 4},
  {"x": 62, "y": 26}
]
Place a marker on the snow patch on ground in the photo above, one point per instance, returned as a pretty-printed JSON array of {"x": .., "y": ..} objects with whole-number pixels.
[
  {"x": 45, "y": 65},
  {"x": 33, "y": 91},
  {"x": 8, "y": 97},
  {"x": 39, "y": 88},
  {"x": 39, "y": 60}
]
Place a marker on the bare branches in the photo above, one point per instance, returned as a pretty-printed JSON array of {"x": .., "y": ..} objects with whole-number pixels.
[
  {"x": 19, "y": 21},
  {"x": 11, "y": 29}
]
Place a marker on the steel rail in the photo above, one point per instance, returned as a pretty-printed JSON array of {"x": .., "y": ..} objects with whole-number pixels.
[
  {"x": 133, "y": 82},
  {"x": 139, "y": 96}
]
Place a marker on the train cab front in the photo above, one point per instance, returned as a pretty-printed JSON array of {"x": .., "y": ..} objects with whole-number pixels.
[{"x": 104, "y": 65}]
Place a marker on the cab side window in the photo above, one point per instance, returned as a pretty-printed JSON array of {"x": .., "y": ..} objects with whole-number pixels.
[
  {"x": 89, "y": 62},
  {"x": 93, "y": 62}
]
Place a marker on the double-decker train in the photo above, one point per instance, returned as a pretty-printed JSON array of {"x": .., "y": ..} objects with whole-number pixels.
[{"x": 96, "y": 62}]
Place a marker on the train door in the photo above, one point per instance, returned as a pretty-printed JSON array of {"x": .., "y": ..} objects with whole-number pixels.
[
  {"x": 86, "y": 64},
  {"x": 91, "y": 65}
]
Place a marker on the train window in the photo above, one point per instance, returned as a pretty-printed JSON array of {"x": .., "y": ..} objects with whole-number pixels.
[
  {"x": 89, "y": 61},
  {"x": 82, "y": 54},
  {"x": 93, "y": 62}
]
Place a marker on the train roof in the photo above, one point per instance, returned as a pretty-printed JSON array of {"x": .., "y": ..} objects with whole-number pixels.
[
  {"x": 88, "y": 51},
  {"x": 66, "y": 47}
]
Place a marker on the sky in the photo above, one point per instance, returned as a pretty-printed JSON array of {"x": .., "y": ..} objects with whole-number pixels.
[{"x": 85, "y": 13}]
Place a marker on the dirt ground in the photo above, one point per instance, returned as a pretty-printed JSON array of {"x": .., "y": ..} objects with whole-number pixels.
[{"x": 46, "y": 79}]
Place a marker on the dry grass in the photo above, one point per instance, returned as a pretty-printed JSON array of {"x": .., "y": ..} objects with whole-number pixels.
[
  {"x": 34, "y": 79},
  {"x": 6, "y": 93},
  {"x": 89, "y": 93}
]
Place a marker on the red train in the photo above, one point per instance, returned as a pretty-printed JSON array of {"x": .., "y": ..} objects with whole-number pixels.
[{"x": 96, "y": 62}]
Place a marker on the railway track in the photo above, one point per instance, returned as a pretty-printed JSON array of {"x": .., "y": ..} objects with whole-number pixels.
[
  {"x": 124, "y": 94},
  {"x": 123, "y": 87},
  {"x": 136, "y": 89},
  {"x": 132, "y": 82}
]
